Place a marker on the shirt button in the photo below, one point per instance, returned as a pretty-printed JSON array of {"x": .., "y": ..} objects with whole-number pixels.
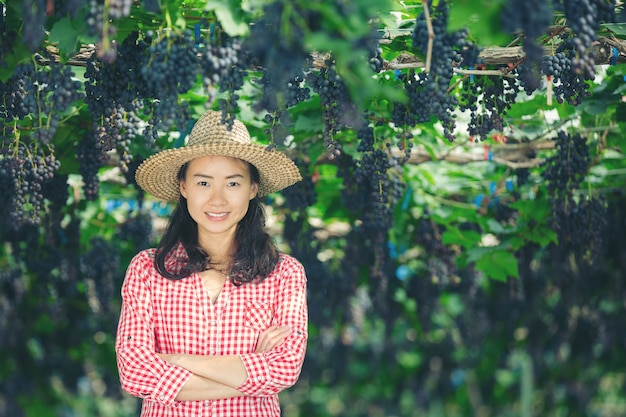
[
  {"x": 259, "y": 378},
  {"x": 161, "y": 397},
  {"x": 213, "y": 323},
  {"x": 212, "y": 352}
]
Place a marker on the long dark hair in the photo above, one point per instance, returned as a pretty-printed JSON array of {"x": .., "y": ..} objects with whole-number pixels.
[{"x": 256, "y": 253}]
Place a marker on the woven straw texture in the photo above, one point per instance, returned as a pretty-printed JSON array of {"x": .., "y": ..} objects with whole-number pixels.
[{"x": 157, "y": 175}]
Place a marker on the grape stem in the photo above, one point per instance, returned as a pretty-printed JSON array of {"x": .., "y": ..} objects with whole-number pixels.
[{"x": 431, "y": 35}]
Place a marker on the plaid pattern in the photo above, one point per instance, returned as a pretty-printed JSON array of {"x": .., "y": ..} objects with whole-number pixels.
[{"x": 165, "y": 316}]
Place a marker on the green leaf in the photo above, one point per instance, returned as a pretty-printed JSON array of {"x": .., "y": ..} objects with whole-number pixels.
[
  {"x": 498, "y": 264},
  {"x": 482, "y": 18},
  {"x": 533, "y": 221},
  {"x": 20, "y": 55},
  {"x": 409, "y": 360},
  {"x": 65, "y": 36},
  {"x": 226, "y": 13},
  {"x": 617, "y": 28},
  {"x": 466, "y": 238},
  {"x": 427, "y": 176}
]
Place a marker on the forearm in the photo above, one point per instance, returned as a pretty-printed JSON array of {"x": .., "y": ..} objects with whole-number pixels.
[
  {"x": 225, "y": 370},
  {"x": 199, "y": 388}
]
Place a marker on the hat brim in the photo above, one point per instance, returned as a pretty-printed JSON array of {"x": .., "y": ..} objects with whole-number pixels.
[{"x": 158, "y": 175}]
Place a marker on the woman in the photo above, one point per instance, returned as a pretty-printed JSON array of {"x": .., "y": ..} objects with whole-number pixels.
[{"x": 213, "y": 320}]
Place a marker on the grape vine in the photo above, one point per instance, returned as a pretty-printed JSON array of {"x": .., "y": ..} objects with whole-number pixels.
[{"x": 407, "y": 256}]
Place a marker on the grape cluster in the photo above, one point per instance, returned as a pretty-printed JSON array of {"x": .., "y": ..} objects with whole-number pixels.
[
  {"x": 468, "y": 50},
  {"x": 115, "y": 93},
  {"x": 69, "y": 8},
  {"x": 171, "y": 69},
  {"x": 569, "y": 85},
  {"x": 532, "y": 19},
  {"x": 382, "y": 186},
  {"x": 351, "y": 194},
  {"x": 338, "y": 110},
  {"x": 428, "y": 235},
  {"x": 371, "y": 44},
  {"x": 578, "y": 220},
  {"x": 487, "y": 99},
  {"x": 119, "y": 8},
  {"x": 582, "y": 229},
  {"x": 33, "y": 30},
  {"x": 137, "y": 230},
  {"x": 428, "y": 92},
  {"x": 99, "y": 266},
  {"x": 218, "y": 59},
  {"x": 301, "y": 195},
  {"x": 56, "y": 191},
  {"x": 90, "y": 158},
  {"x": 282, "y": 57},
  {"x": 522, "y": 176},
  {"x": 45, "y": 92},
  {"x": 25, "y": 165},
  {"x": 276, "y": 101},
  {"x": 95, "y": 17},
  {"x": 563, "y": 173},
  {"x": 583, "y": 19},
  {"x": 224, "y": 63},
  {"x": 17, "y": 103},
  {"x": 296, "y": 91},
  {"x": 606, "y": 11}
]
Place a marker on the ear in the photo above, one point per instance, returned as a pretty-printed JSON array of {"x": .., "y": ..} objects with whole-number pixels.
[
  {"x": 183, "y": 188},
  {"x": 254, "y": 190}
]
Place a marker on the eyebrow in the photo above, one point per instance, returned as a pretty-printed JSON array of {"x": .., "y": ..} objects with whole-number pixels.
[{"x": 211, "y": 177}]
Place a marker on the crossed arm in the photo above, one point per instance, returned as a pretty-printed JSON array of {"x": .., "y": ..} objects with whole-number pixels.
[{"x": 216, "y": 377}]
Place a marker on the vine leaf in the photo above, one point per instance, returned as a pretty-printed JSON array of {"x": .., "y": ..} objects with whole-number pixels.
[
  {"x": 617, "y": 28},
  {"x": 227, "y": 18},
  {"x": 498, "y": 264},
  {"x": 467, "y": 238},
  {"x": 482, "y": 18},
  {"x": 65, "y": 36}
]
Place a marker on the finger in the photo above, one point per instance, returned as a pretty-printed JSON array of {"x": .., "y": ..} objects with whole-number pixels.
[{"x": 277, "y": 337}]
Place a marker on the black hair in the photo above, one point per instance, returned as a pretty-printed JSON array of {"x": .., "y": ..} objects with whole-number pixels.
[{"x": 256, "y": 253}]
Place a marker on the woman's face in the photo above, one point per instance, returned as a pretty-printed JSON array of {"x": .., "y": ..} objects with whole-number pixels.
[{"x": 218, "y": 190}]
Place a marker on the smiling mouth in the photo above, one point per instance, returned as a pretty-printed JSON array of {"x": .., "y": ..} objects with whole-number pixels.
[{"x": 217, "y": 215}]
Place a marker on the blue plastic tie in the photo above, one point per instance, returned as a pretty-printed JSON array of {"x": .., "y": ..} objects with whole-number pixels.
[
  {"x": 196, "y": 29},
  {"x": 613, "y": 60},
  {"x": 509, "y": 184}
]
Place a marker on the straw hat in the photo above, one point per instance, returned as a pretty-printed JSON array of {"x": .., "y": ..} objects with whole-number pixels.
[{"x": 158, "y": 175}]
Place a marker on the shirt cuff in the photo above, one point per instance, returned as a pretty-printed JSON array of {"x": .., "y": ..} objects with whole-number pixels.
[
  {"x": 170, "y": 384},
  {"x": 258, "y": 374}
]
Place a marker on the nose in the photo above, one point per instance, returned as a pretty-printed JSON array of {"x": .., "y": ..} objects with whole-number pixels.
[{"x": 217, "y": 197}]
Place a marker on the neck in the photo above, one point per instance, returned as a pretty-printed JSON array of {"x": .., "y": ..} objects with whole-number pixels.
[{"x": 220, "y": 248}]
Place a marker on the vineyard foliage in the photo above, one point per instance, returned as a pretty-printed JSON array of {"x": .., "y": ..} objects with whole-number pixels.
[{"x": 460, "y": 217}]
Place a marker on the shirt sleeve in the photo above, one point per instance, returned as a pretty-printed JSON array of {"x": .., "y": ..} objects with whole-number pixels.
[
  {"x": 142, "y": 373},
  {"x": 276, "y": 370}
]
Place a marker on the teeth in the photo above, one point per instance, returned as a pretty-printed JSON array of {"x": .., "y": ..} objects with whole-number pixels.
[{"x": 216, "y": 215}]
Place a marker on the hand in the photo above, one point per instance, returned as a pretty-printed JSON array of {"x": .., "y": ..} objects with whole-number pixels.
[{"x": 272, "y": 337}]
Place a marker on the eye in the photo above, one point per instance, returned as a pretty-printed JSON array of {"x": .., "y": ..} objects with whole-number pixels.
[
  {"x": 233, "y": 184},
  {"x": 203, "y": 183}
]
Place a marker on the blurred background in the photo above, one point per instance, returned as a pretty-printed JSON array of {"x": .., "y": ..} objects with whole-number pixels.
[{"x": 460, "y": 219}]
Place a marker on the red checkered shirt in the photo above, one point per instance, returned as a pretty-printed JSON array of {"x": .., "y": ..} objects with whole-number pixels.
[{"x": 168, "y": 316}]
